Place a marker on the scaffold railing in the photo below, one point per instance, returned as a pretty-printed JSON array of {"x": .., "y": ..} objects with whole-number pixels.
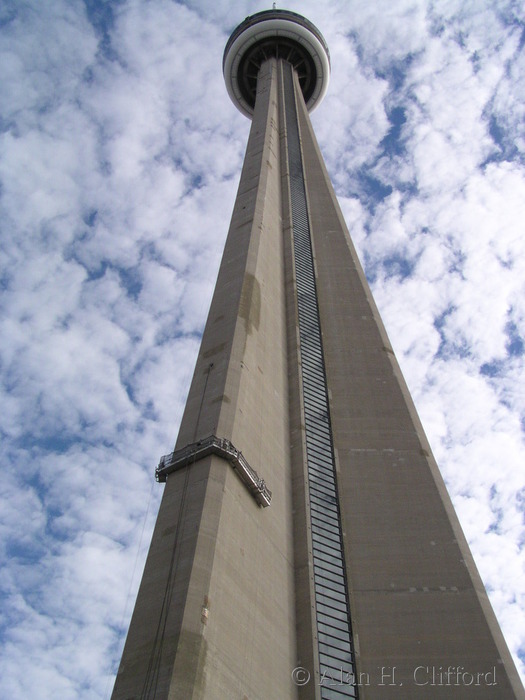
[{"x": 222, "y": 448}]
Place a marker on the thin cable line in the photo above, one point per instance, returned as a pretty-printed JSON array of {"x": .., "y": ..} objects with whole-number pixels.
[
  {"x": 210, "y": 367},
  {"x": 152, "y": 674},
  {"x": 130, "y": 587}
]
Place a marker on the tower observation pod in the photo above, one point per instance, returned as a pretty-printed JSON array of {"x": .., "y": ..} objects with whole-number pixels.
[
  {"x": 305, "y": 547},
  {"x": 278, "y": 34}
]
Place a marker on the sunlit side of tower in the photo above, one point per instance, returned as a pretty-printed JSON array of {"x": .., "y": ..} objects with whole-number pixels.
[{"x": 305, "y": 547}]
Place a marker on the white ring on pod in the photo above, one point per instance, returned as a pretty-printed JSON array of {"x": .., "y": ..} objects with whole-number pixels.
[{"x": 287, "y": 27}]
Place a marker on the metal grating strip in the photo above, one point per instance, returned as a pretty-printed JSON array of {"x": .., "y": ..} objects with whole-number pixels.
[{"x": 329, "y": 581}]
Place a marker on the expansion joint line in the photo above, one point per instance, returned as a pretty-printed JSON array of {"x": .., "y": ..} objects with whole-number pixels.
[{"x": 334, "y": 634}]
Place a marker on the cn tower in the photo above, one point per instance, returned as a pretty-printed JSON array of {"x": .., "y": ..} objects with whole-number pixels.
[{"x": 306, "y": 547}]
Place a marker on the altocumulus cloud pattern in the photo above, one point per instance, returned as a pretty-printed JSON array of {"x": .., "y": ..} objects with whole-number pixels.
[{"x": 120, "y": 157}]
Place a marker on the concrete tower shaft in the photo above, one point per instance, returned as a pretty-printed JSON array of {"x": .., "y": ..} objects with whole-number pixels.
[
  {"x": 304, "y": 522},
  {"x": 215, "y": 613}
]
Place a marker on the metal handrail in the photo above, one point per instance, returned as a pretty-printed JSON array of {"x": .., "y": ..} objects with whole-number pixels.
[{"x": 222, "y": 448}]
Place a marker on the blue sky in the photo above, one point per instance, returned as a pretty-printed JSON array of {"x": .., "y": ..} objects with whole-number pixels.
[{"x": 119, "y": 161}]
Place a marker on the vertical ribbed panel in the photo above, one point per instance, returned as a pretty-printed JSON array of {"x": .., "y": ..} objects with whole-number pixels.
[{"x": 336, "y": 655}]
